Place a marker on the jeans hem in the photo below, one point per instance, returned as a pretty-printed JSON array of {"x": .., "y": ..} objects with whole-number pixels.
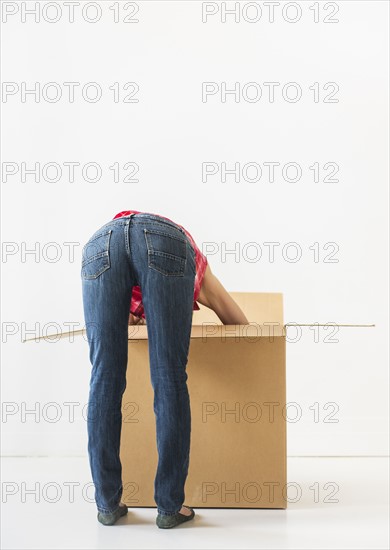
[
  {"x": 105, "y": 511},
  {"x": 162, "y": 513}
]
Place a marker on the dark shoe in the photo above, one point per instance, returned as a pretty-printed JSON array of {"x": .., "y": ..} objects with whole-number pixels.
[
  {"x": 166, "y": 522},
  {"x": 110, "y": 519}
]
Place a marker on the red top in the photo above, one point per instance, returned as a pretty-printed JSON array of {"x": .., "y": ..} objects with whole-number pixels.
[{"x": 136, "y": 306}]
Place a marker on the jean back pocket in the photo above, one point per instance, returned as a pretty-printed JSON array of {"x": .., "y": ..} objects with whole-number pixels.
[
  {"x": 167, "y": 252},
  {"x": 96, "y": 255}
]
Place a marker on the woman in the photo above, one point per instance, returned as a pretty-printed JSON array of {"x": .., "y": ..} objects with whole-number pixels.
[{"x": 134, "y": 251}]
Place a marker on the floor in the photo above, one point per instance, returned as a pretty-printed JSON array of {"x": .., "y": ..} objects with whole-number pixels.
[{"x": 333, "y": 503}]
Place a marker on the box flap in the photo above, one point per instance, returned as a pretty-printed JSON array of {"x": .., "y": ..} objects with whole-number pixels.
[
  {"x": 264, "y": 311},
  {"x": 216, "y": 330}
]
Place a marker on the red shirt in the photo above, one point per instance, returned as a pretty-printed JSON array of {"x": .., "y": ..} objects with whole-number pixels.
[{"x": 136, "y": 305}]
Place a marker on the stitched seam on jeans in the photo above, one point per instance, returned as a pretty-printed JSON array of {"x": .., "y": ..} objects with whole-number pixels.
[
  {"x": 152, "y": 221},
  {"x": 164, "y": 234}
]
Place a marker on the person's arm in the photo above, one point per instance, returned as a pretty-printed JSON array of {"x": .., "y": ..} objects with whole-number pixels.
[{"x": 214, "y": 296}]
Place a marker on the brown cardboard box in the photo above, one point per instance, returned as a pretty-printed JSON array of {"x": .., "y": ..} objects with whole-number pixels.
[{"x": 237, "y": 386}]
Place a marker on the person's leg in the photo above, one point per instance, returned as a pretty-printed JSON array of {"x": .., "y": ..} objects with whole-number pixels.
[
  {"x": 164, "y": 263},
  {"x": 107, "y": 282}
]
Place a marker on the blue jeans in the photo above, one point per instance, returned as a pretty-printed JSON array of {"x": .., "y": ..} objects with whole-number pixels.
[{"x": 149, "y": 251}]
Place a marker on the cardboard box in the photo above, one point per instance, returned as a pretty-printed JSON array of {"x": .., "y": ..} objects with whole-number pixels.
[{"x": 237, "y": 387}]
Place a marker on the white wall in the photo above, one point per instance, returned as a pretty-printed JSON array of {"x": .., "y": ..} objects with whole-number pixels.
[{"x": 169, "y": 133}]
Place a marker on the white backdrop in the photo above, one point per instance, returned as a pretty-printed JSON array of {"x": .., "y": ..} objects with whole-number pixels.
[{"x": 326, "y": 127}]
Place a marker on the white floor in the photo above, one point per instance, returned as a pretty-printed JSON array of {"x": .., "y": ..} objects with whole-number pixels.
[{"x": 41, "y": 511}]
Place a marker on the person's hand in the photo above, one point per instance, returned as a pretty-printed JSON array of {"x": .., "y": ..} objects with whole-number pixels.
[{"x": 133, "y": 320}]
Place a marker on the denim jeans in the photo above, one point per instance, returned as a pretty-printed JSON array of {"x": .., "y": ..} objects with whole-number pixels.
[{"x": 149, "y": 251}]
